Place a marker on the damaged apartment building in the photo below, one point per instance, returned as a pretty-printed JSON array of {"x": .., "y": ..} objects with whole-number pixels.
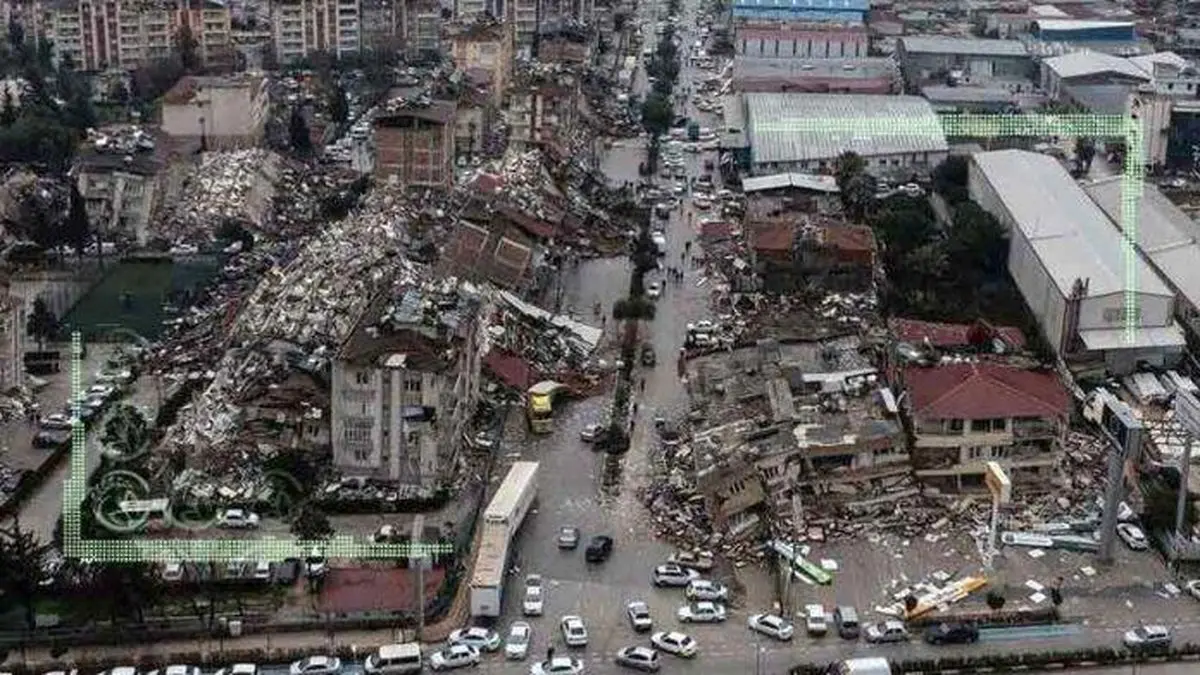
[
  {"x": 971, "y": 397},
  {"x": 791, "y": 423},
  {"x": 405, "y": 383}
]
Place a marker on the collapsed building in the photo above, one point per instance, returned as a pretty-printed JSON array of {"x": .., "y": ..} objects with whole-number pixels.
[{"x": 405, "y": 383}]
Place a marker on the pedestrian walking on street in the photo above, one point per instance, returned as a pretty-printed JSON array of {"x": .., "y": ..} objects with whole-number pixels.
[
  {"x": 642, "y": 385},
  {"x": 550, "y": 653}
]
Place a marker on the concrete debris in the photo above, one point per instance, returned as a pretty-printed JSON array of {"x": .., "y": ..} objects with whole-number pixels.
[{"x": 236, "y": 186}]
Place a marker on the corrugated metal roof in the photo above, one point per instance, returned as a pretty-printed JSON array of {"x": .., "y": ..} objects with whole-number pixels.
[
  {"x": 941, "y": 94},
  {"x": 1164, "y": 233},
  {"x": 1070, "y": 234},
  {"x": 749, "y": 67},
  {"x": 804, "y": 181},
  {"x": 776, "y": 135},
  {"x": 1080, "y": 24},
  {"x": 853, "y": 5},
  {"x": 1084, "y": 63},
  {"x": 944, "y": 44}
]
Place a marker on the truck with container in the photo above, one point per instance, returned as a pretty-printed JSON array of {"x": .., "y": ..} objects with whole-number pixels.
[{"x": 501, "y": 520}]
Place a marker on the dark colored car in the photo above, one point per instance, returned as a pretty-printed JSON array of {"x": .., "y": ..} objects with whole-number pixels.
[
  {"x": 951, "y": 633},
  {"x": 845, "y": 618},
  {"x": 51, "y": 438},
  {"x": 599, "y": 549},
  {"x": 648, "y": 358}
]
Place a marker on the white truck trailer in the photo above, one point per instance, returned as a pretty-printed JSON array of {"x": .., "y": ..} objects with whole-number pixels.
[{"x": 501, "y": 520}]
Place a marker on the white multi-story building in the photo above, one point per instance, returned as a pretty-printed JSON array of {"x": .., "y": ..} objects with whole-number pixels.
[
  {"x": 302, "y": 27},
  {"x": 405, "y": 384},
  {"x": 126, "y": 34}
]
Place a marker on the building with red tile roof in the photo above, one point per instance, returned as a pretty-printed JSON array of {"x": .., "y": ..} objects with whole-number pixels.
[{"x": 966, "y": 414}]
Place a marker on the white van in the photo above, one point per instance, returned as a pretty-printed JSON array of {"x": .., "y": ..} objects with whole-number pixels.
[{"x": 394, "y": 660}]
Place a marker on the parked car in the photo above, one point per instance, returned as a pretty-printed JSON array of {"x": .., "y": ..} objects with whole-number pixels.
[
  {"x": 238, "y": 519},
  {"x": 56, "y": 422},
  {"x": 533, "y": 604},
  {"x": 638, "y": 658},
  {"x": 517, "y": 644},
  {"x": 1193, "y": 588},
  {"x": 648, "y": 357},
  {"x": 384, "y": 535},
  {"x": 559, "y": 665},
  {"x": 701, "y": 562},
  {"x": 317, "y": 665},
  {"x": 239, "y": 669},
  {"x": 591, "y": 433},
  {"x": 639, "y": 616},
  {"x": 673, "y": 575},
  {"x": 771, "y": 625},
  {"x": 574, "y": 631},
  {"x": 675, "y": 643},
  {"x": 845, "y": 620},
  {"x": 1148, "y": 637},
  {"x": 599, "y": 549},
  {"x": 476, "y": 636},
  {"x": 177, "y": 670},
  {"x": 816, "y": 621},
  {"x": 704, "y": 589},
  {"x": 654, "y": 290},
  {"x": 453, "y": 657},
  {"x": 1133, "y": 536},
  {"x": 886, "y": 631},
  {"x": 951, "y": 633},
  {"x": 568, "y": 537},
  {"x": 701, "y": 612}
]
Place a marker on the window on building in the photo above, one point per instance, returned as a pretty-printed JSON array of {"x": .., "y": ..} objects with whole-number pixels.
[
  {"x": 412, "y": 384},
  {"x": 955, "y": 426},
  {"x": 362, "y": 455},
  {"x": 362, "y": 377}
]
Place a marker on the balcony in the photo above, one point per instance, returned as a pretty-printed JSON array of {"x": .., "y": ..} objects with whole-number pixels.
[{"x": 1034, "y": 429}]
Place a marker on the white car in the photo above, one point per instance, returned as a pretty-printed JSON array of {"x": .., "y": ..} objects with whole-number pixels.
[
  {"x": 639, "y": 616},
  {"x": 238, "y": 519},
  {"x": 1133, "y": 536},
  {"x": 1193, "y": 588},
  {"x": 104, "y": 391},
  {"x": 887, "y": 631},
  {"x": 176, "y": 670},
  {"x": 703, "y": 589},
  {"x": 678, "y": 644},
  {"x": 476, "y": 636},
  {"x": 384, "y": 535},
  {"x": 654, "y": 290},
  {"x": 816, "y": 621},
  {"x": 1148, "y": 637},
  {"x": 674, "y": 575},
  {"x": 559, "y": 665},
  {"x": 574, "y": 632},
  {"x": 771, "y": 625},
  {"x": 240, "y": 669},
  {"x": 590, "y": 433},
  {"x": 517, "y": 644},
  {"x": 701, "y": 612},
  {"x": 533, "y": 604},
  {"x": 454, "y": 656},
  {"x": 172, "y": 572},
  {"x": 317, "y": 665}
]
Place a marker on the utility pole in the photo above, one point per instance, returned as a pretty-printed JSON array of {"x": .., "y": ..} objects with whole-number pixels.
[{"x": 418, "y": 559}]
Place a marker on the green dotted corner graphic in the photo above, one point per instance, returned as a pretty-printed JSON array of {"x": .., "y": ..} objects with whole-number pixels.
[
  {"x": 998, "y": 126},
  {"x": 195, "y": 550}
]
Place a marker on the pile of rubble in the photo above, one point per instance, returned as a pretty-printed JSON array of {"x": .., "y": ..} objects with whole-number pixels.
[
  {"x": 309, "y": 302},
  {"x": 235, "y": 186}
]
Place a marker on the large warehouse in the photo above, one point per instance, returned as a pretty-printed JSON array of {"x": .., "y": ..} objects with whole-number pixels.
[
  {"x": 1072, "y": 266},
  {"x": 785, "y": 136}
]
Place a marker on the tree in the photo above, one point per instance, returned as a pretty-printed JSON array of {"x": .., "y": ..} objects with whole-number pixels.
[
  {"x": 16, "y": 34},
  {"x": 995, "y": 601},
  {"x": 125, "y": 590},
  {"x": 977, "y": 243},
  {"x": 188, "y": 49},
  {"x": 657, "y": 114},
  {"x": 8, "y": 108},
  {"x": 127, "y": 434},
  {"x": 311, "y": 524},
  {"x": 1085, "y": 152},
  {"x": 856, "y": 186},
  {"x": 42, "y": 325},
  {"x": 339, "y": 108},
  {"x": 950, "y": 179},
  {"x": 22, "y": 571},
  {"x": 298, "y": 132},
  {"x": 77, "y": 229},
  {"x": 848, "y": 165}
]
